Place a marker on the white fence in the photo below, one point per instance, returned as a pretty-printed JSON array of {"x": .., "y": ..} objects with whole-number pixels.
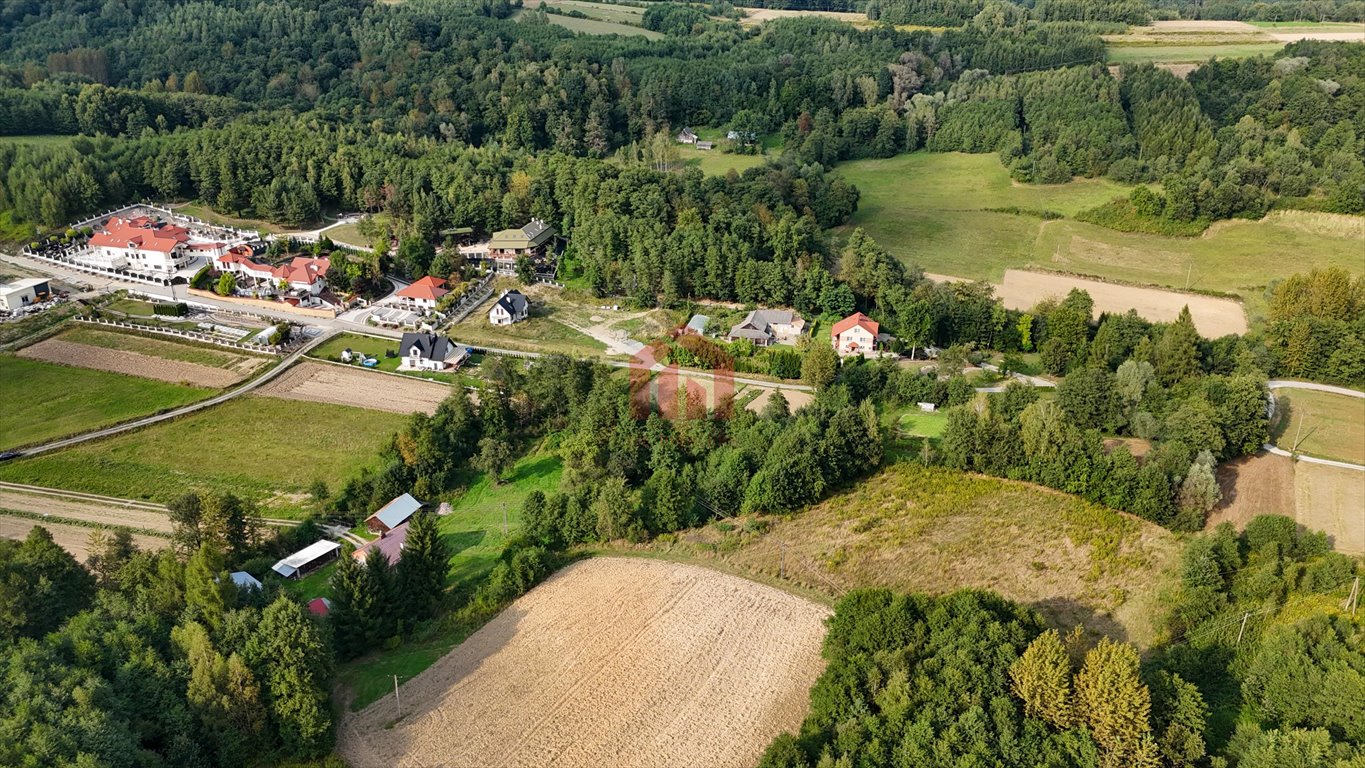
[{"x": 182, "y": 334}]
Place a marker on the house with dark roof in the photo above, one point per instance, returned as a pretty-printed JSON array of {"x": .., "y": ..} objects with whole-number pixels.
[
  {"x": 769, "y": 326},
  {"x": 696, "y": 325},
  {"x": 393, "y": 514},
  {"x": 389, "y": 544},
  {"x": 511, "y": 307},
  {"x": 529, "y": 240},
  {"x": 429, "y": 352},
  {"x": 686, "y": 136}
]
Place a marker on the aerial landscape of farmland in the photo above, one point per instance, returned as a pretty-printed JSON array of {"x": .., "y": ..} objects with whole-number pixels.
[{"x": 644, "y": 383}]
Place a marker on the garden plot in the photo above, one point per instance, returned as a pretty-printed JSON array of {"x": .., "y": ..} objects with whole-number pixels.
[
  {"x": 319, "y": 382},
  {"x": 130, "y": 363},
  {"x": 674, "y": 665}
]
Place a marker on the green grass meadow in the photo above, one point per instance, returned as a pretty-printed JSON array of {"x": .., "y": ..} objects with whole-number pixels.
[
  {"x": 199, "y": 354},
  {"x": 934, "y": 210},
  {"x": 264, "y": 448},
  {"x": 46, "y": 401},
  {"x": 1186, "y": 54},
  {"x": 1325, "y": 425}
]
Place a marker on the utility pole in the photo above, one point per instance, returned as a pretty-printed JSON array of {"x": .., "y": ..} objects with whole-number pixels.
[
  {"x": 1245, "y": 616},
  {"x": 397, "y": 700},
  {"x": 1353, "y": 599},
  {"x": 782, "y": 562}
]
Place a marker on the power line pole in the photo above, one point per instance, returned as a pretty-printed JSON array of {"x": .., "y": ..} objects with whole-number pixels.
[
  {"x": 782, "y": 563},
  {"x": 1353, "y": 599},
  {"x": 397, "y": 700},
  {"x": 1245, "y": 616}
]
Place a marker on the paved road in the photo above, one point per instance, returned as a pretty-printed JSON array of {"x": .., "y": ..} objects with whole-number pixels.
[
  {"x": 160, "y": 417},
  {"x": 1291, "y": 384}
]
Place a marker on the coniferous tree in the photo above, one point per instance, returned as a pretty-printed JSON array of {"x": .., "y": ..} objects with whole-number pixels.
[
  {"x": 293, "y": 661},
  {"x": 209, "y": 590},
  {"x": 1041, "y": 677},
  {"x": 421, "y": 573},
  {"x": 1114, "y": 703},
  {"x": 350, "y": 606}
]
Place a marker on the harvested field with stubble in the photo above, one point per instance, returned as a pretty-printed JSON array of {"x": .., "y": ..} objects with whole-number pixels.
[
  {"x": 130, "y": 363},
  {"x": 1254, "y": 485},
  {"x": 96, "y": 513},
  {"x": 673, "y": 665},
  {"x": 73, "y": 538},
  {"x": 1213, "y": 317},
  {"x": 320, "y": 382},
  {"x": 1332, "y": 499}
]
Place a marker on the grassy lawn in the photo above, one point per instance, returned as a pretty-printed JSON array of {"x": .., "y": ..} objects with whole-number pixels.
[
  {"x": 134, "y": 307},
  {"x": 917, "y": 423},
  {"x": 541, "y": 332},
  {"x": 313, "y": 585},
  {"x": 201, "y": 211},
  {"x": 374, "y": 347},
  {"x": 473, "y": 531},
  {"x": 166, "y": 349},
  {"x": 260, "y": 447},
  {"x": 1325, "y": 425},
  {"x": 45, "y": 401},
  {"x": 932, "y": 210},
  {"x": 1183, "y": 54},
  {"x": 348, "y": 233},
  {"x": 1320, "y": 26}
]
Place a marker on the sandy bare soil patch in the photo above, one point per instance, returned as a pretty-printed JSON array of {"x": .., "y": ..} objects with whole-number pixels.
[
  {"x": 93, "y": 512},
  {"x": 1213, "y": 317},
  {"x": 320, "y": 382},
  {"x": 130, "y": 363},
  {"x": 1333, "y": 500},
  {"x": 612, "y": 661},
  {"x": 73, "y": 538},
  {"x": 1254, "y": 485},
  {"x": 796, "y": 399}
]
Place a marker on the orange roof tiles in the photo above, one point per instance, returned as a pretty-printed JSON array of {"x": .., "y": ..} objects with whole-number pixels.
[
  {"x": 140, "y": 233},
  {"x": 855, "y": 319},
  {"x": 428, "y": 288}
]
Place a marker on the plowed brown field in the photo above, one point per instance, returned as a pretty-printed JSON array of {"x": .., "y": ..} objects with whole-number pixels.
[
  {"x": 130, "y": 363},
  {"x": 319, "y": 382},
  {"x": 73, "y": 538},
  {"x": 611, "y": 662}
]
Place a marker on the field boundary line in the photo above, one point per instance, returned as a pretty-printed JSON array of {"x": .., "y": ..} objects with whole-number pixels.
[{"x": 145, "y": 421}]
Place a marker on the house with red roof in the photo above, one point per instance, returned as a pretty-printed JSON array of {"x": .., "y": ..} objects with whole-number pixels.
[
  {"x": 144, "y": 244},
  {"x": 855, "y": 335},
  {"x": 302, "y": 273},
  {"x": 424, "y": 293}
]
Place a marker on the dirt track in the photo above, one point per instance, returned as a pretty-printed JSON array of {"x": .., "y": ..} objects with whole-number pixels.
[
  {"x": 796, "y": 400},
  {"x": 612, "y": 661},
  {"x": 319, "y": 382},
  {"x": 130, "y": 363},
  {"x": 1213, "y": 317},
  {"x": 104, "y": 514},
  {"x": 73, "y": 538}
]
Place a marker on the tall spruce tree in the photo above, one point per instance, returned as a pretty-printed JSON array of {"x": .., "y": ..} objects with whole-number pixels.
[
  {"x": 1114, "y": 703},
  {"x": 1041, "y": 677},
  {"x": 421, "y": 573}
]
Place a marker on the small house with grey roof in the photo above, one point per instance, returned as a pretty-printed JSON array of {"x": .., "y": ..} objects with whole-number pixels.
[
  {"x": 393, "y": 514},
  {"x": 769, "y": 326}
]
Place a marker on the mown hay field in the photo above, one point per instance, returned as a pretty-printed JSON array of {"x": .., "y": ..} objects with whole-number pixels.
[
  {"x": 259, "y": 447},
  {"x": 671, "y": 665},
  {"x": 45, "y": 401},
  {"x": 73, "y": 538},
  {"x": 936, "y": 530}
]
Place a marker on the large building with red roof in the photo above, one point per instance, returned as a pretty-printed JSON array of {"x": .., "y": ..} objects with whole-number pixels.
[{"x": 143, "y": 244}]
